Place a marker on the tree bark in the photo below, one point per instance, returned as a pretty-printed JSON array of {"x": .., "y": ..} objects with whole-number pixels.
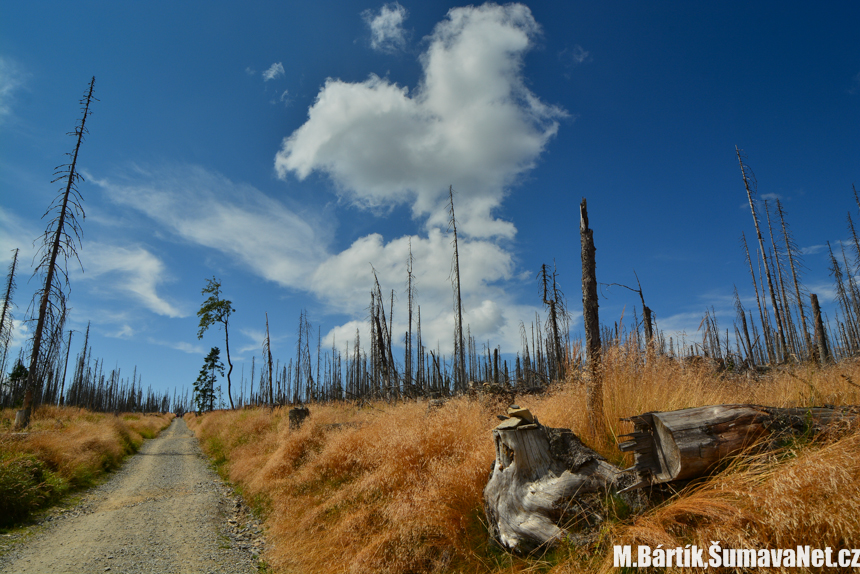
[
  {"x": 685, "y": 444},
  {"x": 770, "y": 287},
  {"x": 544, "y": 486},
  {"x": 820, "y": 338},
  {"x": 591, "y": 323}
]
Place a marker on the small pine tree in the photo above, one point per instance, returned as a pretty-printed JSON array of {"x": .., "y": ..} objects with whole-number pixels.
[{"x": 204, "y": 386}]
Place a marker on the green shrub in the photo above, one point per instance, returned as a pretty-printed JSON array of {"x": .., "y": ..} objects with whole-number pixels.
[{"x": 26, "y": 484}]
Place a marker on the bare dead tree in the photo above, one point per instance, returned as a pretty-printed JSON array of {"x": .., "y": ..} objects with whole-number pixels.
[
  {"x": 458, "y": 300},
  {"x": 749, "y": 184},
  {"x": 770, "y": 355},
  {"x": 794, "y": 263},
  {"x": 407, "y": 379},
  {"x": 6, "y": 321},
  {"x": 61, "y": 240},
  {"x": 781, "y": 295},
  {"x": 647, "y": 313},
  {"x": 591, "y": 322},
  {"x": 267, "y": 347},
  {"x": 820, "y": 335},
  {"x": 742, "y": 316}
]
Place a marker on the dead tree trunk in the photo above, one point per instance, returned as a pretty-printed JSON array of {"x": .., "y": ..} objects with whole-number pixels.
[
  {"x": 591, "y": 323},
  {"x": 820, "y": 338},
  {"x": 458, "y": 300},
  {"x": 545, "y": 484},
  {"x": 685, "y": 444},
  {"x": 59, "y": 238},
  {"x": 747, "y": 183}
]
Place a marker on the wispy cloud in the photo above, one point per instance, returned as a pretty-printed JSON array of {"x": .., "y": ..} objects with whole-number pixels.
[
  {"x": 275, "y": 71},
  {"x": 574, "y": 56},
  {"x": 472, "y": 119},
  {"x": 131, "y": 271},
  {"x": 16, "y": 233},
  {"x": 855, "y": 85},
  {"x": 240, "y": 221},
  {"x": 12, "y": 78},
  {"x": 179, "y": 346},
  {"x": 386, "y": 27}
]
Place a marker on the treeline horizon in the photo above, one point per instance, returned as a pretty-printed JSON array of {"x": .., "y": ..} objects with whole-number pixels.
[{"x": 788, "y": 327}]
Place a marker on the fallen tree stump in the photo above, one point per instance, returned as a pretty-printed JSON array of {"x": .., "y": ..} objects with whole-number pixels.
[
  {"x": 297, "y": 416},
  {"x": 545, "y": 484},
  {"x": 685, "y": 444}
]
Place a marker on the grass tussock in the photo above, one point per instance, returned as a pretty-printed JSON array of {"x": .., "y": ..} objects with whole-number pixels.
[
  {"x": 398, "y": 488},
  {"x": 64, "y": 449}
]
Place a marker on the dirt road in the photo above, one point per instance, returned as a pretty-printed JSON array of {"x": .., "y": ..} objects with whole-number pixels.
[{"x": 165, "y": 511}]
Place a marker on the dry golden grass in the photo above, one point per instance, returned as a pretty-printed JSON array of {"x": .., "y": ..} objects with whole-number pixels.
[
  {"x": 397, "y": 489},
  {"x": 64, "y": 448}
]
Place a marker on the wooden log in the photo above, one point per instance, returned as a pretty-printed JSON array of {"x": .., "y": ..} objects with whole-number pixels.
[
  {"x": 545, "y": 485},
  {"x": 685, "y": 444}
]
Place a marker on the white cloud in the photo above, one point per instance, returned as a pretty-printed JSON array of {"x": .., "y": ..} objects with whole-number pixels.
[
  {"x": 130, "y": 270},
  {"x": 471, "y": 122},
  {"x": 125, "y": 332},
  {"x": 485, "y": 270},
  {"x": 575, "y": 56},
  {"x": 11, "y": 79},
  {"x": 15, "y": 233},
  {"x": 291, "y": 249},
  {"x": 275, "y": 71},
  {"x": 180, "y": 346},
  {"x": 386, "y": 27},
  {"x": 236, "y": 219}
]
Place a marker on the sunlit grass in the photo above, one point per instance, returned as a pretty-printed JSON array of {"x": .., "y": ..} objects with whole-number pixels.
[
  {"x": 64, "y": 448},
  {"x": 398, "y": 488}
]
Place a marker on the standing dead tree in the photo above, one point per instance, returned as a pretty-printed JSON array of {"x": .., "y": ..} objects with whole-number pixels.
[
  {"x": 647, "y": 315},
  {"x": 267, "y": 353},
  {"x": 61, "y": 238},
  {"x": 749, "y": 184},
  {"x": 554, "y": 301},
  {"x": 591, "y": 323},
  {"x": 458, "y": 300},
  {"x": 6, "y": 316},
  {"x": 794, "y": 263}
]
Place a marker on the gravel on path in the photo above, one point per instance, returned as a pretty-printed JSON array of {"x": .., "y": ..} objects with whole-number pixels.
[{"x": 166, "y": 511}]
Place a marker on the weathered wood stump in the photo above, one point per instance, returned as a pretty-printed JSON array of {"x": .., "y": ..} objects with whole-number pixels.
[
  {"x": 297, "y": 415},
  {"x": 685, "y": 444},
  {"x": 545, "y": 484}
]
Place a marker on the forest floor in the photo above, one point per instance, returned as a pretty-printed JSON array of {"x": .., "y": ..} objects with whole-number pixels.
[{"x": 164, "y": 511}]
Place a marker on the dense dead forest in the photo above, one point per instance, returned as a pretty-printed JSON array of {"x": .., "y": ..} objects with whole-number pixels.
[{"x": 786, "y": 325}]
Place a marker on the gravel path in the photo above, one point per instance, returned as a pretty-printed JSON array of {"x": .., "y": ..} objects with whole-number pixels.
[{"x": 165, "y": 511}]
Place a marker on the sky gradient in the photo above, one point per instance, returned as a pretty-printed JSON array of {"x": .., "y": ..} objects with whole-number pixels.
[{"x": 284, "y": 148}]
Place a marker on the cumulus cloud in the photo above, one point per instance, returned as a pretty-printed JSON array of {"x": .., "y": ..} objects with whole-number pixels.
[
  {"x": 471, "y": 122},
  {"x": 386, "y": 27},
  {"x": 275, "y": 71},
  {"x": 486, "y": 270},
  {"x": 130, "y": 270}
]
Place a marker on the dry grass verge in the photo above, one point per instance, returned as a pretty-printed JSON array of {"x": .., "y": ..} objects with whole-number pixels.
[
  {"x": 398, "y": 488},
  {"x": 64, "y": 449}
]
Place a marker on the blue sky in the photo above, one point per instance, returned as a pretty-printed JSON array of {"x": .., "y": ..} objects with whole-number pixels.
[{"x": 286, "y": 147}]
